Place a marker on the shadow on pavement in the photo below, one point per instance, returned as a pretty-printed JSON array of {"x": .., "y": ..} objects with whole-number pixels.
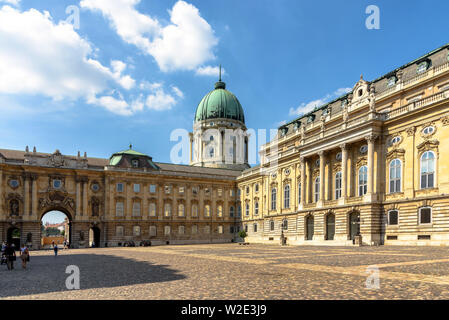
[{"x": 46, "y": 274}]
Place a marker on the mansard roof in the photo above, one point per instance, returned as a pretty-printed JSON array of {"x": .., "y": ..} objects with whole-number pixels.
[{"x": 436, "y": 57}]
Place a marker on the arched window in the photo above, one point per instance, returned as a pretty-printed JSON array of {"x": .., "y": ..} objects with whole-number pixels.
[
  {"x": 338, "y": 186},
  {"x": 428, "y": 170},
  {"x": 285, "y": 224},
  {"x": 247, "y": 209},
  {"x": 239, "y": 211},
  {"x": 219, "y": 211},
  {"x": 363, "y": 180},
  {"x": 167, "y": 210},
  {"x": 231, "y": 211},
  {"x": 316, "y": 189},
  {"x": 256, "y": 208},
  {"x": 425, "y": 215},
  {"x": 194, "y": 210},
  {"x": 181, "y": 210},
  {"x": 299, "y": 193},
  {"x": 393, "y": 217},
  {"x": 152, "y": 209},
  {"x": 287, "y": 197},
  {"x": 207, "y": 210},
  {"x": 273, "y": 199},
  {"x": 395, "y": 176}
]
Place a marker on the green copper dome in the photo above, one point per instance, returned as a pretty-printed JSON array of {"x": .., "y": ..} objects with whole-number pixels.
[{"x": 220, "y": 104}]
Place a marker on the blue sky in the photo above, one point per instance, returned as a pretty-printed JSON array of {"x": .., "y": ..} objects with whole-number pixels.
[{"x": 134, "y": 71}]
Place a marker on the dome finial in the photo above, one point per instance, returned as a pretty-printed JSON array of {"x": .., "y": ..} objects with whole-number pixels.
[
  {"x": 130, "y": 146},
  {"x": 220, "y": 84}
]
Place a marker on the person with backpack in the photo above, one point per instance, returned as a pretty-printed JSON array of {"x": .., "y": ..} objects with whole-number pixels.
[
  {"x": 10, "y": 254},
  {"x": 24, "y": 256}
]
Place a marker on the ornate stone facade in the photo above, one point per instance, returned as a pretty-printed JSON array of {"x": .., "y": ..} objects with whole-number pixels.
[{"x": 374, "y": 162}]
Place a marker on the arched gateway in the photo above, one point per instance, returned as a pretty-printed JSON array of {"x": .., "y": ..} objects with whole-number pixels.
[{"x": 112, "y": 201}]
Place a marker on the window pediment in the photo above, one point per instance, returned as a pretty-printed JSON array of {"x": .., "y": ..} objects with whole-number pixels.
[
  {"x": 429, "y": 145},
  {"x": 396, "y": 153}
]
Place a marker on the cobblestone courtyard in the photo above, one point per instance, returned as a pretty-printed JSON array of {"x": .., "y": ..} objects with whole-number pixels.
[{"x": 230, "y": 271}]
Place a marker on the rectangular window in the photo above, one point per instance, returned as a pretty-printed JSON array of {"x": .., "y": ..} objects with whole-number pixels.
[
  {"x": 136, "y": 209},
  {"x": 181, "y": 212},
  {"x": 255, "y": 227},
  {"x": 194, "y": 229},
  {"x": 220, "y": 229},
  {"x": 136, "y": 187},
  {"x": 181, "y": 230},
  {"x": 167, "y": 230},
  {"x": 136, "y": 231},
  {"x": 219, "y": 192},
  {"x": 153, "y": 231},
  {"x": 152, "y": 209},
  {"x": 219, "y": 211},
  {"x": 167, "y": 210},
  {"x": 207, "y": 210},
  {"x": 167, "y": 189},
  {"x": 195, "y": 191},
  {"x": 119, "y": 231},
  {"x": 194, "y": 210},
  {"x": 119, "y": 187},
  {"x": 181, "y": 190},
  {"x": 207, "y": 229},
  {"x": 153, "y": 188},
  {"x": 119, "y": 209},
  {"x": 425, "y": 215},
  {"x": 393, "y": 218}
]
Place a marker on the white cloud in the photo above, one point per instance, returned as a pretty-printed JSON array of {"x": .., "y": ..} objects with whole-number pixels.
[
  {"x": 39, "y": 57},
  {"x": 177, "y": 92},
  {"x": 307, "y": 107},
  {"x": 210, "y": 71},
  {"x": 280, "y": 123},
  {"x": 13, "y": 2},
  {"x": 184, "y": 44},
  {"x": 160, "y": 100}
]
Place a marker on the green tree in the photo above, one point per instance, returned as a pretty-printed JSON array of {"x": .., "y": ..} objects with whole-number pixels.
[{"x": 242, "y": 234}]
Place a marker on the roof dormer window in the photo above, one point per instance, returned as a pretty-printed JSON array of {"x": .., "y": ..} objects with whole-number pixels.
[
  {"x": 135, "y": 163},
  {"x": 391, "y": 82},
  {"x": 422, "y": 67}
]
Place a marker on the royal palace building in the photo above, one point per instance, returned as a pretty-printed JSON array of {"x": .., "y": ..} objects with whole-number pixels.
[
  {"x": 373, "y": 163},
  {"x": 371, "y": 166}
]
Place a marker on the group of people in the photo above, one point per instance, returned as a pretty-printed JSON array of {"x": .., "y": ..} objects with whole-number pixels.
[{"x": 9, "y": 255}]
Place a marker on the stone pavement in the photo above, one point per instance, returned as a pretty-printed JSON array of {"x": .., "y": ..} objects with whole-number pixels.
[{"x": 230, "y": 271}]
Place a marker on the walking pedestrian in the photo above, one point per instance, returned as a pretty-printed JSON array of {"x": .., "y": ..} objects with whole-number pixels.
[
  {"x": 10, "y": 256},
  {"x": 24, "y": 256},
  {"x": 55, "y": 249},
  {"x": 3, "y": 256},
  {"x": 65, "y": 244}
]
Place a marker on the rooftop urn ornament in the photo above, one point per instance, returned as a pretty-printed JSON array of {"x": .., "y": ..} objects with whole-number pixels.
[{"x": 34, "y": 149}]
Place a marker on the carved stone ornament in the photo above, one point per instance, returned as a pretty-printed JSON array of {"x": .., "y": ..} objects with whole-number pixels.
[
  {"x": 56, "y": 159},
  {"x": 445, "y": 120},
  {"x": 411, "y": 131}
]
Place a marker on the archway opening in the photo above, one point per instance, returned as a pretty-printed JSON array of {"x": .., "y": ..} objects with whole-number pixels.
[
  {"x": 13, "y": 237},
  {"x": 56, "y": 229},
  {"x": 354, "y": 224},
  {"x": 310, "y": 228},
  {"x": 330, "y": 226},
  {"x": 94, "y": 237}
]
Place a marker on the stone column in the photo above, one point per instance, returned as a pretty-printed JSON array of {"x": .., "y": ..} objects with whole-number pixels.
[
  {"x": 191, "y": 146},
  {"x": 322, "y": 179},
  {"x": 370, "y": 188},
  {"x": 85, "y": 202},
  {"x": 78, "y": 198},
  {"x": 344, "y": 173},
  {"x": 34, "y": 196},
  {"x": 220, "y": 146},
  {"x": 26, "y": 196},
  {"x": 303, "y": 183}
]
